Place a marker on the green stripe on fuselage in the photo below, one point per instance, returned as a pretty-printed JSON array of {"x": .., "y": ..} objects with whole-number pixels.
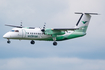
[
  {"x": 77, "y": 33},
  {"x": 73, "y": 35},
  {"x": 82, "y": 29}
]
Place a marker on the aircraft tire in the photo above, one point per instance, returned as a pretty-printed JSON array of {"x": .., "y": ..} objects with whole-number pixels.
[
  {"x": 8, "y": 42},
  {"x": 32, "y": 42},
  {"x": 54, "y": 43}
]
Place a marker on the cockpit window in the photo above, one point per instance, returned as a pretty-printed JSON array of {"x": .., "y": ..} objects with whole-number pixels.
[{"x": 14, "y": 30}]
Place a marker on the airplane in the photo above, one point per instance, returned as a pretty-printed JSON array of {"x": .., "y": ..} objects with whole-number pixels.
[{"x": 50, "y": 34}]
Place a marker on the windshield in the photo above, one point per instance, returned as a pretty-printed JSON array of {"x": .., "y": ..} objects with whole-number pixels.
[{"x": 14, "y": 30}]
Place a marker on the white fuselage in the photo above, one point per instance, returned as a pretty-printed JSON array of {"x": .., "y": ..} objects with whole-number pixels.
[
  {"x": 26, "y": 34},
  {"x": 29, "y": 34}
]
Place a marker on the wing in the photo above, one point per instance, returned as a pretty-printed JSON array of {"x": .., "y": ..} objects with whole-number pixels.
[
  {"x": 58, "y": 31},
  {"x": 64, "y": 29}
]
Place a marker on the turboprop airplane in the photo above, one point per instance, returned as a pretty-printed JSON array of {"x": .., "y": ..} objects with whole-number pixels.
[{"x": 50, "y": 34}]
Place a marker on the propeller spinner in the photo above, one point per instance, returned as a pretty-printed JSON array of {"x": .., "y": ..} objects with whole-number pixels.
[{"x": 43, "y": 30}]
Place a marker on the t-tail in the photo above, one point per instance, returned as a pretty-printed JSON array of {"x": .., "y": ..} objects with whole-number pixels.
[{"x": 83, "y": 21}]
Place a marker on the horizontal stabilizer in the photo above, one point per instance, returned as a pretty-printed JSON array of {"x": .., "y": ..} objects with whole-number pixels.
[
  {"x": 87, "y": 13},
  {"x": 92, "y": 13}
]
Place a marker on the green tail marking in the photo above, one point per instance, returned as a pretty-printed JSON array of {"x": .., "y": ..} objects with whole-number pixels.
[{"x": 84, "y": 22}]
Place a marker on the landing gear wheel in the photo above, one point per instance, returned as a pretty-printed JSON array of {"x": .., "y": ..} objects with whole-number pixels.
[
  {"x": 54, "y": 43},
  {"x": 8, "y": 42},
  {"x": 32, "y": 42}
]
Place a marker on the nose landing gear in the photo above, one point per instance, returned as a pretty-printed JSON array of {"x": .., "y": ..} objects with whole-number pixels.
[{"x": 8, "y": 41}]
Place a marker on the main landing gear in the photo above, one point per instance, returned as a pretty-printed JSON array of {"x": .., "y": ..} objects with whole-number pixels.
[
  {"x": 32, "y": 42},
  {"x": 54, "y": 43}
]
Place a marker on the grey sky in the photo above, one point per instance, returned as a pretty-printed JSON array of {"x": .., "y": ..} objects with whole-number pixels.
[{"x": 86, "y": 53}]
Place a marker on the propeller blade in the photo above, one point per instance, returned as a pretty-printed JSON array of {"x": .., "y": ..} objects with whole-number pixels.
[
  {"x": 44, "y": 26},
  {"x": 43, "y": 30},
  {"x": 13, "y": 26},
  {"x": 21, "y": 24}
]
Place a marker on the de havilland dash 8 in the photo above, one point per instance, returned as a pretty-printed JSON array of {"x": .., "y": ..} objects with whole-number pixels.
[{"x": 50, "y": 34}]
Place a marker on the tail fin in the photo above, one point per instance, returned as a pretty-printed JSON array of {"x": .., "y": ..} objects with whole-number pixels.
[{"x": 83, "y": 21}]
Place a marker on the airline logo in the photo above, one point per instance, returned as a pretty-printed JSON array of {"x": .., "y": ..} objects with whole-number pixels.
[{"x": 84, "y": 22}]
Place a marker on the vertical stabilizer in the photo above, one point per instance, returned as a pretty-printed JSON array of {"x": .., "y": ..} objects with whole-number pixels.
[{"x": 83, "y": 21}]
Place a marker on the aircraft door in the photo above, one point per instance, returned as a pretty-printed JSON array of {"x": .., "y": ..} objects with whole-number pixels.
[
  {"x": 23, "y": 33},
  {"x": 20, "y": 33}
]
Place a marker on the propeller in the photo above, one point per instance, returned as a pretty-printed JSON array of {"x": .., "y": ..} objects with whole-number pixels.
[
  {"x": 21, "y": 23},
  {"x": 43, "y": 30},
  {"x": 15, "y": 25}
]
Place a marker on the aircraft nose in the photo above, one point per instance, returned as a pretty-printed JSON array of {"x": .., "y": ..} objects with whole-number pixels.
[{"x": 6, "y": 35}]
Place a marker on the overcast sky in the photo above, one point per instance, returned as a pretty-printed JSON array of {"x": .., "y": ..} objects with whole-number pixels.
[{"x": 85, "y": 53}]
